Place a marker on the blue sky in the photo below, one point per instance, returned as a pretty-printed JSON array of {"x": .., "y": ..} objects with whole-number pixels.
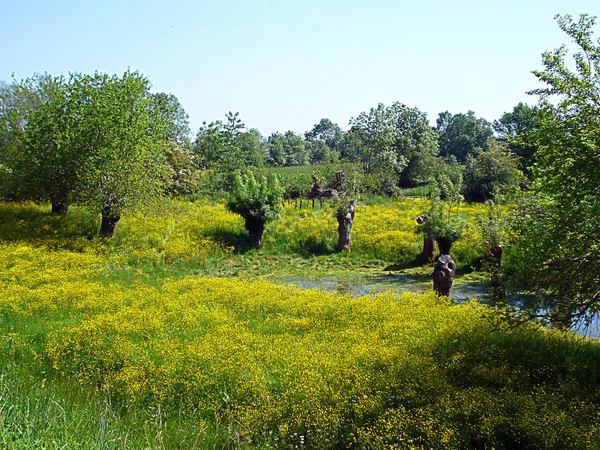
[{"x": 284, "y": 65}]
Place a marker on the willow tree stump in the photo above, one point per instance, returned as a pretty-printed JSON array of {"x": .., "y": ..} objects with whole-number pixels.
[
  {"x": 443, "y": 275},
  {"x": 345, "y": 217},
  {"x": 428, "y": 247}
]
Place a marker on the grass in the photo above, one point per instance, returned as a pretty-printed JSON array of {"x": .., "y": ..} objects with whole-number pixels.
[{"x": 170, "y": 335}]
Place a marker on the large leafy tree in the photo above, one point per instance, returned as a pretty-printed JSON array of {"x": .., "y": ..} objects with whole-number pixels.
[
  {"x": 48, "y": 166},
  {"x": 490, "y": 172},
  {"x": 225, "y": 147},
  {"x": 559, "y": 247},
  {"x": 414, "y": 139},
  {"x": 514, "y": 126},
  {"x": 287, "y": 149},
  {"x": 325, "y": 140},
  {"x": 461, "y": 134},
  {"x": 120, "y": 135},
  {"x": 390, "y": 142},
  {"x": 18, "y": 100}
]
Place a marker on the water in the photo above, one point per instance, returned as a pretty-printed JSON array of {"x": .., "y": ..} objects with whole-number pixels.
[{"x": 461, "y": 291}]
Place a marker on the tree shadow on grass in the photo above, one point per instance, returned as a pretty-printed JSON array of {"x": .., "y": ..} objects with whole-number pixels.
[
  {"x": 316, "y": 247},
  {"x": 30, "y": 223},
  {"x": 238, "y": 239}
]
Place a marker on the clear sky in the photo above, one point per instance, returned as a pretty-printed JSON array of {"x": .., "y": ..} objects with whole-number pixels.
[{"x": 284, "y": 65}]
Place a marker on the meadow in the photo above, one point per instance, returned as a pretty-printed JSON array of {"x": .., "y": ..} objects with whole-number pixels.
[{"x": 173, "y": 335}]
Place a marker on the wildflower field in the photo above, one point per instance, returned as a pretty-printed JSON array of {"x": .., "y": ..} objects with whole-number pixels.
[{"x": 149, "y": 340}]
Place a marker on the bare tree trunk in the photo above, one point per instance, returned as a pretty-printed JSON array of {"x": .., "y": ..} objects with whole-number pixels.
[
  {"x": 59, "y": 208},
  {"x": 255, "y": 229},
  {"x": 109, "y": 223},
  {"x": 443, "y": 274},
  {"x": 428, "y": 246},
  {"x": 345, "y": 217},
  {"x": 498, "y": 293}
]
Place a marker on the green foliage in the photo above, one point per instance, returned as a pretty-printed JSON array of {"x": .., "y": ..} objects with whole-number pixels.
[
  {"x": 256, "y": 199},
  {"x": 513, "y": 127},
  {"x": 490, "y": 171},
  {"x": 287, "y": 149},
  {"x": 461, "y": 134},
  {"x": 493, "y": 225},
  {"x": 121, "y": 138},
  {"x": 558, "y": 249},
  {"x": 225, "y": 147},
  {"x": 444, "y": 225},
  {"x": 390, "y": 142},
  {"x": 18, "y": 102}
]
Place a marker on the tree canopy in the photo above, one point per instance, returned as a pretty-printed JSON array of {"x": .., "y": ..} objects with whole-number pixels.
[
  {"x": 461, "y": 134},
  {"x": 559, "y": 242}
]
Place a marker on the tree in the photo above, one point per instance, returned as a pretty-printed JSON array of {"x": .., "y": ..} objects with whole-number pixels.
[
  {"x": 557, "y": 253},
  {"x": 253, "y": 146},
  {"x": 490, "y": 172},
  {"x": 461, "y": 134},
  {"x": 257, "y": 200},
  {"x": 414, "y": 139},
  {"x": 288, "y": 149},
  {"x": 175, "y": 130},
  {"x": 48, "y": 165},
  {"x": 217, "y": 144},
  {"x": 391, "y": 141},
  {"x": 119, "y": 137},
  {"x": 326, "y": 141},
  {"x": 17, "y": 101},
  {"x": 176, "y": 122},
  {"x": 513, "y": 128}
]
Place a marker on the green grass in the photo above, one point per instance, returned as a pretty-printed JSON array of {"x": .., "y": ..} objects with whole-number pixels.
[{"x": 264, "y": 362}]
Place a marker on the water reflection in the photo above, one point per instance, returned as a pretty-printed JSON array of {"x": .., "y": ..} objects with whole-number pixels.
[{"x": 461, "y": 292}]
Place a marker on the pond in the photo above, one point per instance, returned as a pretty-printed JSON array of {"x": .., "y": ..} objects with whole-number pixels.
[{"x": 469, "y": 286}]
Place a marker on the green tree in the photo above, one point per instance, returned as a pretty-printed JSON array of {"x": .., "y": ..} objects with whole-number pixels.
[
  {"x": 325, "y": 140},
  {"x": 258, "y": 200},
  {"x": 288, "y": 149},
  {"x": 17, "y": 101},
  {"x": 513, "y": 128},
  {"x": 461, "y": 134},
  {"x": 495, "y": 170},
  {"x": 558, "y": 251},
  {"x": 119, "y": 137},
  {"x": 217, "y": 144},
  {"x": 175, "y": 129},
  {"x": 414, "y": 139},
  {"x": 391, "y": 141},
  {"x": 48, "y": 165},
  {"x": 253, "y": 146}
]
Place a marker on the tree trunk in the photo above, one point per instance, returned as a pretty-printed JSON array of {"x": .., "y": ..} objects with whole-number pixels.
[
  {"x": 345, "y": 217},
  {"x": 428, "y": 247},
  {"x": 494, "y": 258},
  {"x": 444, "y": 245},
  {"x": 255, "y": 229},
  {"x": 109, "y": 223},
  {"x": 59, "y": 208},
  {"x": 443, "y": 274}
]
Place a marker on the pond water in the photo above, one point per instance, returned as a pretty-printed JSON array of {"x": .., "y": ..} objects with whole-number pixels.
[{"x": 462, "y": 290}]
